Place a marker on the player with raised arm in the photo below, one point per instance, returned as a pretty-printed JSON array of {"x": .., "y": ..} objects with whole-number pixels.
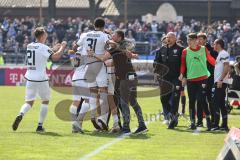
[{"x": 37, "y": 80}]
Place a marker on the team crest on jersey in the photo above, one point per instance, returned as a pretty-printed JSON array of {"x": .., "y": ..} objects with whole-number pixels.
[
  {"x": 175, "y": 51},
  {"x": 50, "y": 51}
]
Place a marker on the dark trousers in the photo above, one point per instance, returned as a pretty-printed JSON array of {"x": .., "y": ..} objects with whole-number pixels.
[
  {"x": 183, "y": 100},
  {"x": 219, "y": 105},
  {"x": 196, "y": 93},
  {"x": 210, "y": 86},
  {"x": 128, "y": 95},
  {"x": 117, "y": 99},
  {"x": 209, "y": 95},
  {"x": 170, "y": 97}
]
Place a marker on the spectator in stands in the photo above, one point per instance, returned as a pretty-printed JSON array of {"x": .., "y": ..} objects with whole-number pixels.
[
  {"x": 1, "y": 38},
  {"x": 19, "y": 38},
  {"x": 154, "y": 26},
  {"x": 237, "y": 66},
  {"x": 130, "y": 37},
  {"x": 13, "y": 30},
  {"x": 1, "y": 59}
]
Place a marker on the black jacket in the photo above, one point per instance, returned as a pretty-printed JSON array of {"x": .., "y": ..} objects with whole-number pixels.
[
  {"x": 214, "y": 55},
  {"x": 167, "y": 61}
]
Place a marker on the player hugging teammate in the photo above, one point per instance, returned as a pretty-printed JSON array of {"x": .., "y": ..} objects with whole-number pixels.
[
  {"x": 90, "y": 81},
  {"x": 96, "y": 67}
]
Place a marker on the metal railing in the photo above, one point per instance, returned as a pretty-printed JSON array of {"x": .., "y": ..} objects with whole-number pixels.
[{"x": 142, "y": 48}]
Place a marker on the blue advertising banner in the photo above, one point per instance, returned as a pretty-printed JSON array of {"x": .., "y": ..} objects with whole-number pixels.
[{"x": 2, "y": 76}]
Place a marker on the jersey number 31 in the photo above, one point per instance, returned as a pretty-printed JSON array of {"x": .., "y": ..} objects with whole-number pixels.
[{"x": 92, "y": 43}]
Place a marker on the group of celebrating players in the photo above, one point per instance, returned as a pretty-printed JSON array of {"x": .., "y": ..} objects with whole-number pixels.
[{"x": 99, "y": 59}]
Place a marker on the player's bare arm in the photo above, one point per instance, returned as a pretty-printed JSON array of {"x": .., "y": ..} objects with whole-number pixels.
[
  {"x": 102, "y": 58},
  {"x": 57, "y": 55}
]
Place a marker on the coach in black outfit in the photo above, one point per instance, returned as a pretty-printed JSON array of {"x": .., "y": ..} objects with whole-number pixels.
[{"x": 169, "y": 56}]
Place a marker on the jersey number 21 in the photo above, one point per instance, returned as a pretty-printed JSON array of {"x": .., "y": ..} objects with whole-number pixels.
[{"x": 30, "y": 57}]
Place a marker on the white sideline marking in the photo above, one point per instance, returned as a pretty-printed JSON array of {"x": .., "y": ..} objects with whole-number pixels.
[{"x": 109, "y": 144}]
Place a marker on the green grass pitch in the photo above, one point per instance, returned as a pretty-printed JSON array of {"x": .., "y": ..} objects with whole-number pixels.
[{"x": 59, "y": 143}]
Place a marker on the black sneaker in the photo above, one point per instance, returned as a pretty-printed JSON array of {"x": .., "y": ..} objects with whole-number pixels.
[
  {"x": 40, "y": 129},
  {"x": 104, "y": 126},
  {"x": 209, "y": 124},
  {"x": 224, "y": 128},
  {"x": 16, "y": 122},
  {"x": 125, "y": 131},
  {"x": 192, "y": 126},
  {"x": 172, "y": 124},
  {"x": 215, "y": 129},
  {"x": 95, "y": 124},
  {"x": 76, "y": 128},
  {"x": 200, "y": 124},
  {"x": 141, "y": 130},
  {"x": 176, "y": 123}
]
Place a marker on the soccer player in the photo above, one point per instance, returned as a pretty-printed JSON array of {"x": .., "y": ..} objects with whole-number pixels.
[
  {"x": 96, "y": 72},
  {"x": 37, "y": 80},
  {"x": 80, "y": 91}
]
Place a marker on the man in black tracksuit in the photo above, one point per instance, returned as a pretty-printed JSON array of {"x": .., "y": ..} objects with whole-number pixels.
[
  {"x": 202, "y": 38},
  {"x": 167, "y": 66}
]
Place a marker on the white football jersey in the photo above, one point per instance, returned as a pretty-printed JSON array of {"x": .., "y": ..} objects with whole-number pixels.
[
  {"x": 79, "y": 72},
  {"x": 37, "y": 57},
  {"x": 94, "y": 40},
  {"x": 223, "y": 56}
]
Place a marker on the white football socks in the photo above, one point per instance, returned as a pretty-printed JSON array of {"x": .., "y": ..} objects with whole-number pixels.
[
  {"x": 73, "y": 111},
  {"x": 43, "y": 113},
  {"x": 26, "y": 107}
]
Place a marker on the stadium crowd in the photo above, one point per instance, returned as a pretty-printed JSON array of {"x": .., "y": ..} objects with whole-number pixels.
[{"x": 16, "y": 33}]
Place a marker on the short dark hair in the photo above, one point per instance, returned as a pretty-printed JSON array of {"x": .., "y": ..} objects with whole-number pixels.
[
  {"x": 99, "y": 22},
  {"x": 163, "y": 38},
  {"x": 203, "y": 35},
  {"x": 220, "y": 42},
  {"x": 38, "y": 32},
  {"x": 238, "y": 58},
  {"x": 192, "y": 36},
  {"x": 120, "y": 34}
]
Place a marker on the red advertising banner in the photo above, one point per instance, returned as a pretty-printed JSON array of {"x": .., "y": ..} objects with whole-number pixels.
[{"x": 15, "y": 76}]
